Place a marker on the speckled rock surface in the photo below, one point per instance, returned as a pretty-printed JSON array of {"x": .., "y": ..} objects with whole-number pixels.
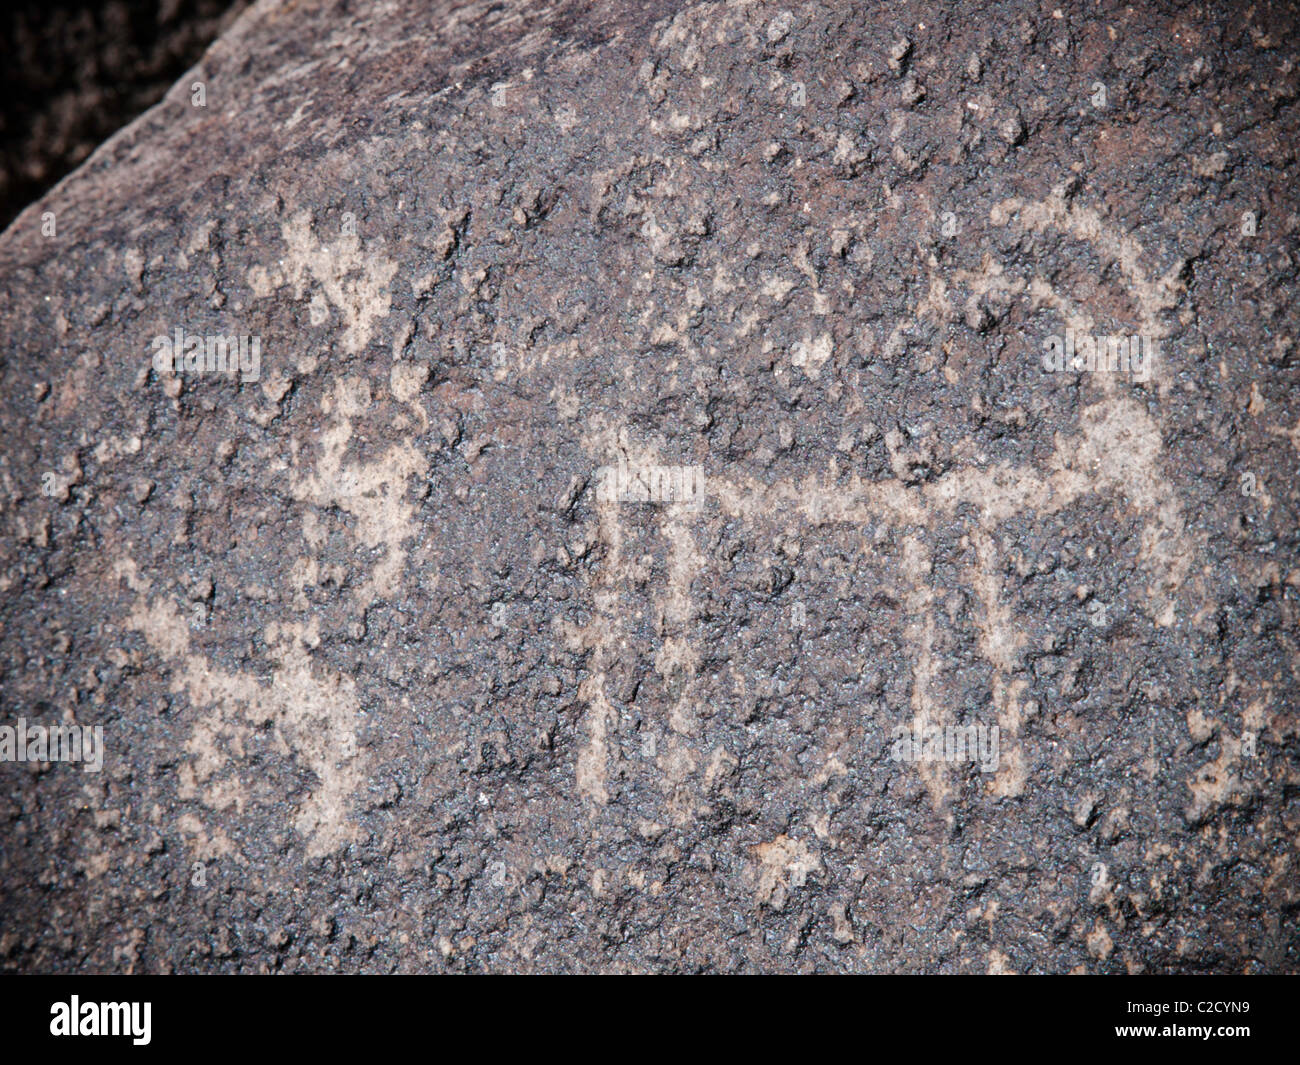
[{"x": 391, "y": 678}]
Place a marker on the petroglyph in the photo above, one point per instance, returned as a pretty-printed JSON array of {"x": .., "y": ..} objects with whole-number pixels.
[
  {"x": 350, "y": 276},
  {"x": 312, "y": 710},
  {"x": 398, "y": 658},
  {"x": 373, "y": 493}
]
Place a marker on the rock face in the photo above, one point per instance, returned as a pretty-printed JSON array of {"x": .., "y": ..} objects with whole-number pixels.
[
  {"x": 650, "y": 457},
  {"x": 76, "y": 70}
]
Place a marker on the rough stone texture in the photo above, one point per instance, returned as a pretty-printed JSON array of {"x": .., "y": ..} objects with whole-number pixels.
[
  {"x": 76, "y": 70},
  {"x": 387, "y": 685}
]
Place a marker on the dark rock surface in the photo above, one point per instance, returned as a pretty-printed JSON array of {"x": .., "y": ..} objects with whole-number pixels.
[
  {"x": 76, "y": 70},
  {"x": 387, "y": 683}
]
